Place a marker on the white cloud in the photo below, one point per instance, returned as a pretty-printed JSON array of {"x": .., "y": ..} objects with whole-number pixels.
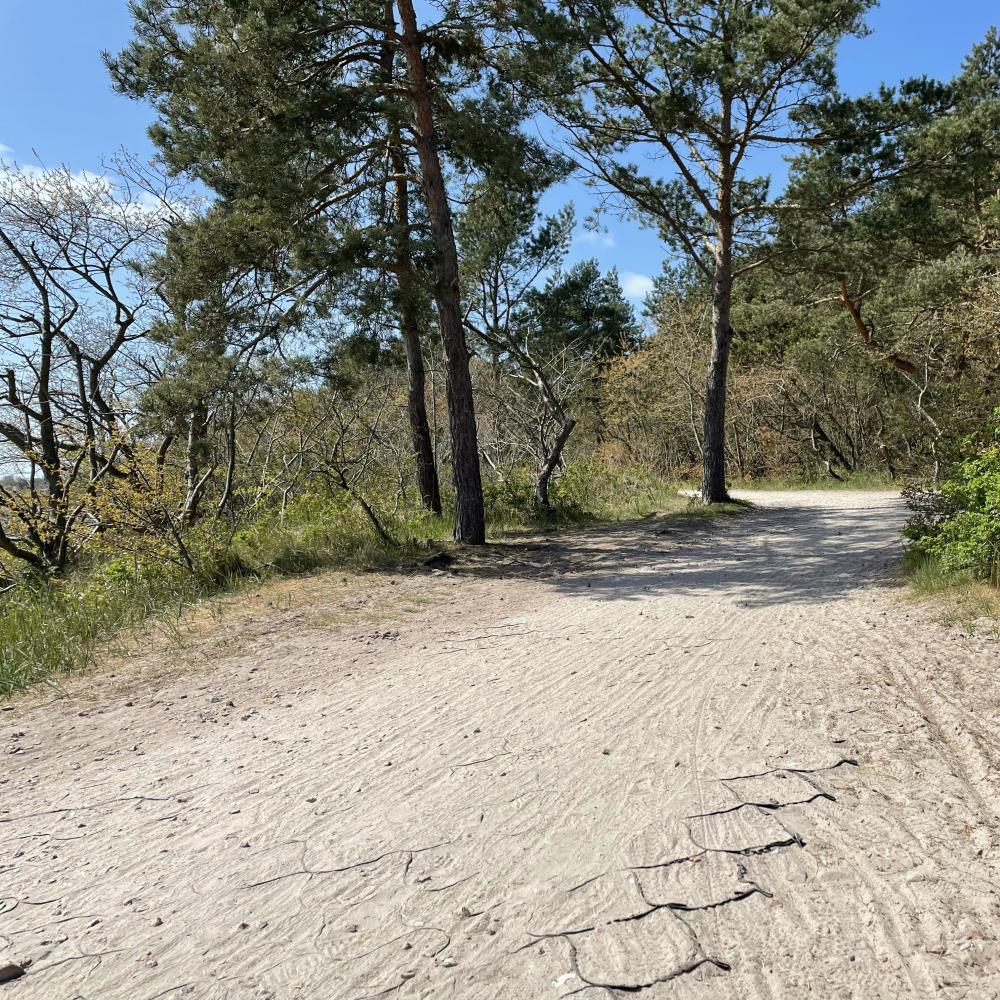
[
  {"x": 43, "y": 179},
  {"x": 60, "y": 183},
  {"x": 596, "y": 239},
  {"x": 636, "y": 286},
  {"x": 4, "y": 150}
]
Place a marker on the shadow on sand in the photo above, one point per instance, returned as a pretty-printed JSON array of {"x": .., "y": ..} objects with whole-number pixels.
[{"x": 776, "y": 555}]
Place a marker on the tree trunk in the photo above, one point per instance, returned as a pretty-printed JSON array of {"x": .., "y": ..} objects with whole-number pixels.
[
  {"x": 470, "y": 517},
  {"x": 713, "y": 484},
  {"x": 55, "y": 541},
  {"x": 817, "y": 434},
  {"x": 193, "y": 477},
  {"x": 817, "y": 431},
  {"x": 161, "y": 461},
  {"x": 420, "y": 433},
  {"x": 227, "y": 488},
  {"x": 713, "y": 481},
  {"x": 383, "y": 535},
  {"x": 550, "y": 465}
]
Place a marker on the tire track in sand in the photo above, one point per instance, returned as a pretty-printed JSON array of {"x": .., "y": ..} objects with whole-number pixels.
[{"x": 496, "y": 801}]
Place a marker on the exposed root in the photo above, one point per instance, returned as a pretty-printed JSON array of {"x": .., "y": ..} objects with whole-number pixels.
[
  {"x": 773, "y": 806},
  {"x": 451, "y": 885},
  {"x": 612, "y": 988},
  {"x": 572, "y": 935},
  {"x": 843, "y": 762}
]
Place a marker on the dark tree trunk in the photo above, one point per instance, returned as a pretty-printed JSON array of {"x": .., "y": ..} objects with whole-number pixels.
[
  {"x": 817, "y": 432},
  {"x": 227, "y": 488},
  {"x": 550, "y": 465},
  {"x": 420, "y": 432},
  {"x": 55, "y": 547},
  {"x": 161, "y": 461},
  {"x": 470, "y": 518},
  {"x": 713, "y": 484}
]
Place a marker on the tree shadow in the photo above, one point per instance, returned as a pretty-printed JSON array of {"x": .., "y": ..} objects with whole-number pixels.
[{"x": 796, "y": 553}]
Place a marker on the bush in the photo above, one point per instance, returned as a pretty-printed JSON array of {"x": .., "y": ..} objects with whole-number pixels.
[
  {"x": 959, "y": 523},
  {"x": 586, "y": 490},
  {"x": 594, "y": 489}
]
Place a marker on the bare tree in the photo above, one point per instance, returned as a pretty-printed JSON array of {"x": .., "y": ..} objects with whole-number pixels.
[
  {"x": 74, "y": 307},
  {"x": 543, "y": 329}
]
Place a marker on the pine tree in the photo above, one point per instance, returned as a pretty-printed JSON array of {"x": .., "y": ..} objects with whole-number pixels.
[
  {"x": 702, "y": 86},
  {"x": 297, "y": 117}
]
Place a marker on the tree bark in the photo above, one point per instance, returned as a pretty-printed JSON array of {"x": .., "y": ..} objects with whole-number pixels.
[
  {"x": 55, "y": 542},
  {"x": 420, "y": 432},
  {"x": 713, "y": 484},
  {"x": 470, "y": 518},
  {"x": 550, "y": 464},
  {"x": 817, "y": 431},
  {"x": 194, "y": 479},
  {"x": 409, "y": 326},
  {"x": 227, "y": 488}
]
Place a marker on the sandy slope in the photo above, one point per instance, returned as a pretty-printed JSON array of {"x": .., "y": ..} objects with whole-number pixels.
[{"x": 707, "y": 763}]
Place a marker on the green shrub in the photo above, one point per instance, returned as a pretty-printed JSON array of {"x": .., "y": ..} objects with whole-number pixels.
[
  {"x": 509, "y": 502},
  {"x": 959, "y": 523},
  {"x": 586, "y": 490},
  {"x": 596, "y": 490},
  {"x": 51, "y": 624}
]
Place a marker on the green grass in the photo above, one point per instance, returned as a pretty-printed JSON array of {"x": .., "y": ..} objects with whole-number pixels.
[
  {"x": 957, "y": 595},
  {"x": 589, "y": 493},
  {"x": 857, "y": 481},
  {"x": 51, "y": 626}
]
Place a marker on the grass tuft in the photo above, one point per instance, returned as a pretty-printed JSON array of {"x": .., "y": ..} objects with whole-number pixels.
[
  {"x": 855, "y": 481},
  {"x": 957, "y": 595}
]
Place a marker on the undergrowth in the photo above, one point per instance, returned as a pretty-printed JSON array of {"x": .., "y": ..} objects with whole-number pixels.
[
  {"x": 954, "y": 530},
  {"x": 957, "y": 595},
  {"x": 53, "y": 625}
]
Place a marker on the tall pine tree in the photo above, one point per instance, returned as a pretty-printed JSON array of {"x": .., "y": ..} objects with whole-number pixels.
[
  {"x": 303, "y": 117},
  {"x": 702, "y": 87}
]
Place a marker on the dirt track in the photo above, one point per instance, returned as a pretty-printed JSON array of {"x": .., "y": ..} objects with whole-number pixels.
[{"x": 723, "y": 761}]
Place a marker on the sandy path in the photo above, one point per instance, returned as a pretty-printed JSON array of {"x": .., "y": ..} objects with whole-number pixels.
[{"x": 708, "y": 763}]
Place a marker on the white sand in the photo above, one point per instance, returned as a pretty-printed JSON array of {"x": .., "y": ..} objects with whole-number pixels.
[{"x": 611, "y": 762}]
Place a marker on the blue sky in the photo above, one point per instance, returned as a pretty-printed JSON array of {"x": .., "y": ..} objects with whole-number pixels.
[{"x": 59, "y": 105}]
